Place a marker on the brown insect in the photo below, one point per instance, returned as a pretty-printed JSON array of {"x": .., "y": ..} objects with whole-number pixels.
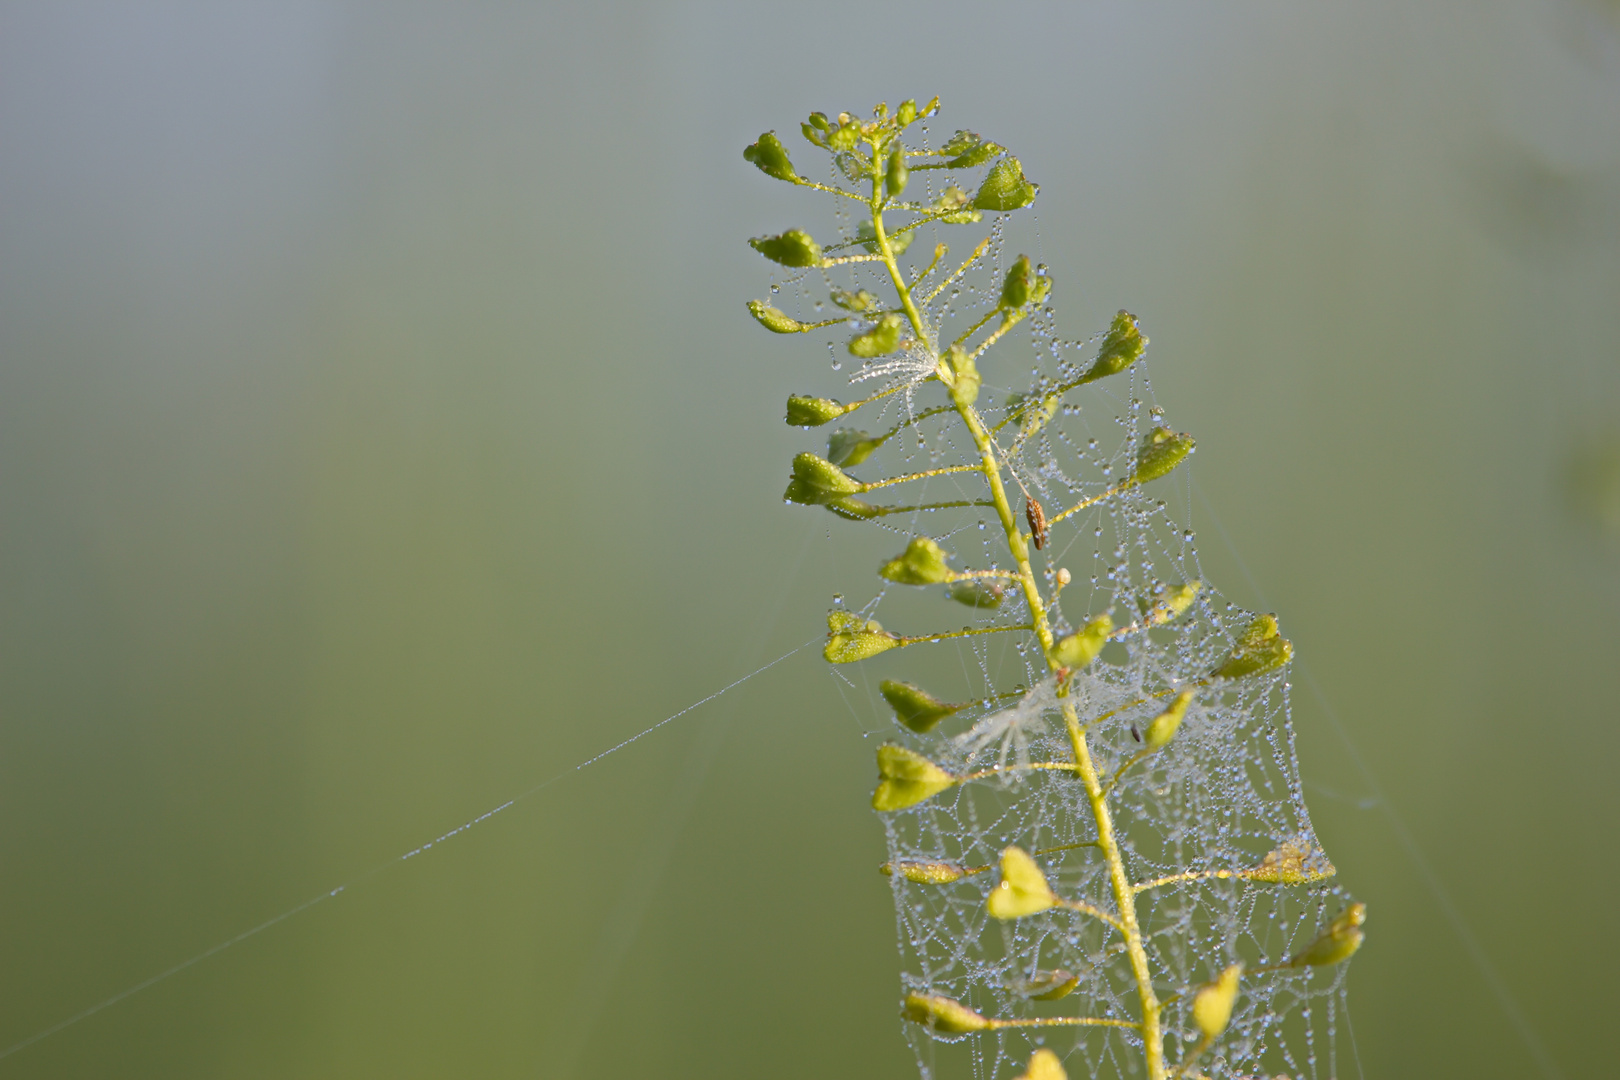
[{"x": 1037, "y": 521}]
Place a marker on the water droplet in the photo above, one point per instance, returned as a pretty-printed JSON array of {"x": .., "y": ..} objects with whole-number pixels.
[{"x": 776, "y": 288}]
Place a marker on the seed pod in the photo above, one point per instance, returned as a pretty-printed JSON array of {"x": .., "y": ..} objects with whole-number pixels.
[
  {"x": 896, "y": 175},
  {"x": 922, "y": 563},
  {"x": 1170, "y": 604},
  {"x": 965, "y": 379},
  {"x": 1044, "y": 1064},
  {"x": 965, "y": 150},
  {"x": 977, "y": 593},
  {"x": 771, "y": 158},
  {"x": 855, "y": 509},
  {"x": 811, "y": 133},
  {"x": 1023, "y": 889},
  {"x": 898, "y": 242},
  {"x": 1004, "y": 187},
  {"x": 1212, "y": 1006},
  {"x": 1163, "y": 727},
  {"x": 849, "y": 447},
  {"x": 792, "y": 248},
  {"x": 845, "y": 136},
  {"x": 1015, "y": 288},
  {"x": 819, "y": 121},
  {"x": 812, "y": 411},
  {"x": 1081, "y": 648},
  {"x": 1161, "y": 451},
  {"x": 1122, "y": 347},
  {"x": 1049, "y": 985},
  {"x": 944, "y": 1015},
  {"x": 1260, "y": 649},
  {"x": 817, "y": 480},
  {"x": 925, "y": 873},
  {"x": 850, "y": 639},
  {"x": 778, "y": 322},
  {"x": 915, "y": 707},
  {"x": 906, "y": 778},
  {"x": 853, "y": 301},
  {"x": 906, "y": 113},
  {"x": 1341, "y": 938},
  {"x": 881, "y": 339}
]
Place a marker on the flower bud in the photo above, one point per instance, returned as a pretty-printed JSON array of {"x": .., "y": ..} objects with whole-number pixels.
[
  {"x": 906, "y": 778},
  {"x": 866, "y": 234},
  {"x": 849, "y": 639},
  {"x": 1044, "y": 1064},
  {"x": 1023, "y": 889},
  {"x": 853, "y": 301},
  {"x": 1212, "y": 1005},
  {"x": 906, "y": 113},
  {"x": 881, "y": 339},
  {"x": 1336, "y": 943},
  {"x": 1081, "y": 648},
  {"x": 896, "y": 174},
  {"x": 812, "y": 411},
  {"x": 977, "y": 592},
  {"x": 792, "y": 248},
  {"x": 849, "y": 447},
  {"x": 774, "y": 320},
  {"x": 1260, "y": 649},
  {"x": 846, "y": 135},
  {"x": 817, "y": 480},
  {"x": 811, "y": 133},
  {"x": 1004, "y": 187},
  {"x": 771, "y": 158},
  {"x": 925, "y": 873},
  {"x": 1161, "y": 451},
  {"x": 965, "y": 379},
  {"x": 819, "y": 121},
  {"x": 944, "y": 1015},
  {"x": 1163, "y": 727},
  {"x": 966, "y": 150},
  {"x": 922, "y": 563},
  {"x": 1015, "y": 288},
  {"x": 1170, "y": 604},
  {"x": 915, "y": 707},
  {"x": 1049, "y": 985},
  {"x": 1122, "y": 347}
]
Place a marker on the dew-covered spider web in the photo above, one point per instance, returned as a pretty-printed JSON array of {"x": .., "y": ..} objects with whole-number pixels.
[{"x": 1212, "y": 827}]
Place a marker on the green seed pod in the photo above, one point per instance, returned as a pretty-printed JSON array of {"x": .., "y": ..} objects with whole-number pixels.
[
  {"x": 1044, "y": 1064},
  {"x": 1051, "y": 985},
  {"x": 771, "y": 158},
  {"x": 898, "y": 242},
  {"x": 1122, "y": 347},
  {"x": 1163, "y": 727},
  {"x": 1043, "y": 287},
  {"x": 906, "y": 778},
  {"x": 942, "y": 1014},
  {"x": 812, "y": 411},
  {"x": 977, "y": 593},
  {"x": 1023, "y": 889},
  {"x": 965, "y": 150},
  {"x": 1170, "y": 604},
  {"x": 1015, "y": 288},
  {"x": 1338, "y": 942},
  {"x": 1081, "y": 648},
  {"x": 853, "y": 301},
  {"x": 792, "y": 248},
  {"x": 855, "y": 509},
  {"x": 1161, "y": 451},
  {"x": 817, "y": 480},
  {"x": 881, "y": 339},
  {"x": 894, "y": 178},
  {"x": 1212, "y": 1005},
  {"x": 845, "y": 137},
  {"x": 849, "y": 447},
  {"x": 965, "y": 379},
  {"x": 1005, "y": 188},
  {"x": 778, "y": 322},
  {"x": 1260, "y": 649},
  {"x": 915, "y": 707},
  {"x": 922, "y": 563},
  {"x": 925, "y": 873},
  {"x": 813, "y": 135},
  {"x": 849, "y": 645},
  {"x": 819, "y": 121},
  {"x": 906, "y": 113}
]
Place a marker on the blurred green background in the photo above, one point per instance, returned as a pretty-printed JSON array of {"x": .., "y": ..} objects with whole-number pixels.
[{"x": 382, "y": 433}]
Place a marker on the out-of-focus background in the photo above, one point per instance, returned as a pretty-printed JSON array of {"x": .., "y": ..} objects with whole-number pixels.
[{"x": 382, "y": 433}]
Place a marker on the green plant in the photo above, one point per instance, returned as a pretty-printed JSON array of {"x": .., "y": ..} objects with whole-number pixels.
[{"x": 1123, "y": 828}]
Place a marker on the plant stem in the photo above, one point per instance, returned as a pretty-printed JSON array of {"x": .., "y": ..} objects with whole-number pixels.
[{"x": 1124, "y": 893}]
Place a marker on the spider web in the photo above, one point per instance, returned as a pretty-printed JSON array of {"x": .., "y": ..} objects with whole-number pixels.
[{"x": 1224, "y": 797}]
